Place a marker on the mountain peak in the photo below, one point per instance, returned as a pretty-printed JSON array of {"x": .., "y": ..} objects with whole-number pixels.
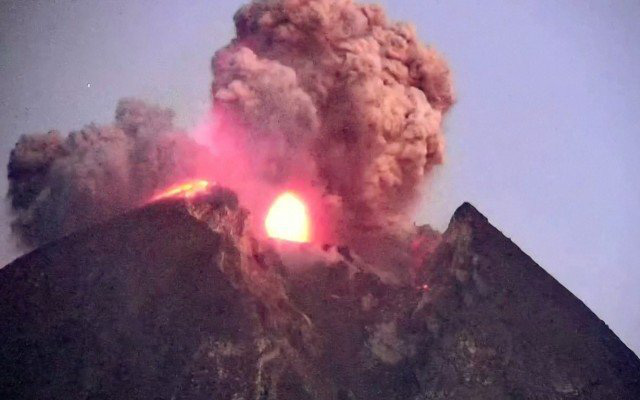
[{"x": 467, "y": 211}]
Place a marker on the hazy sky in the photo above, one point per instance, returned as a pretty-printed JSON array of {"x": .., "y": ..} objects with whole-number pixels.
[{"x": 543, "y": 139}]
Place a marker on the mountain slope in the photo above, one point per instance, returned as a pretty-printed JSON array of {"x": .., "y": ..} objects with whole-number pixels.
[
  {"x": 504, "y": 328},
  {"x": 119, "y": 311},
  {"x": 177, "y": 301}
]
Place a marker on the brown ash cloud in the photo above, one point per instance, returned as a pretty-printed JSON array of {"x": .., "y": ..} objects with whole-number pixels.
[
  {"x": 334, "y": 87},
  {"x": 327, "y": 92}
]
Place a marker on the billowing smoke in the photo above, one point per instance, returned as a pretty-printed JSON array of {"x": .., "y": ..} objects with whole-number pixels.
[
  {"x": 323, "y": 92},
  {"x": 59, "y": 184},
  {"x": 332, "y": 89}
]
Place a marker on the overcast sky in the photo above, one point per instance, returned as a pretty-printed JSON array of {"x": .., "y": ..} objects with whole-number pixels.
[{"x": 543, "y": 140}]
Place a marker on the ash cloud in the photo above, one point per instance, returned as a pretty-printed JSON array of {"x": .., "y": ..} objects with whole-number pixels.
[
  {"x": 325, "y": 92},
  {"x": 334, "y": 87},
  {"x": 59, "y": 184},
  {"x": 333, "y": 83}
]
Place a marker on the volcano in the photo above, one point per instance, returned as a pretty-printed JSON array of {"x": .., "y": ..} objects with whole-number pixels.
[{"x": 177, "y": 300}]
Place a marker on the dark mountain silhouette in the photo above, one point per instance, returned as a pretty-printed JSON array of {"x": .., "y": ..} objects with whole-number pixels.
[{"x": 177, "y": 301}]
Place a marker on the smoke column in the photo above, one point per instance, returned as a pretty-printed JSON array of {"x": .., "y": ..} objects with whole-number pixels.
[{"x": 330, "y": 91}]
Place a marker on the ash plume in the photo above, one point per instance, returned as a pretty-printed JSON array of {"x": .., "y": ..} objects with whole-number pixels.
[
  {"x": 333, "y": 89},
  {"x": 59, "y": 184},
  {"x": 324, "y": 92}
]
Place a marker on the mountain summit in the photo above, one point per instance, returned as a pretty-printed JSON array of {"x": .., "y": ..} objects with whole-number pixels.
[{"x": 178, "y": 301}]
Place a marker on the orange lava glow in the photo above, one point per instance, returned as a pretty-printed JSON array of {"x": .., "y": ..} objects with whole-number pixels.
[
  {"x": 184, "y": 190},
  {"x": 288, "y": 219}
]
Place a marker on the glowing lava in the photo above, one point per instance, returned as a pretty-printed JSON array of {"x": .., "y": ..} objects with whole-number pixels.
[
  {"x": 288, "y": 219},
  {"x": 184, "y": 190}
]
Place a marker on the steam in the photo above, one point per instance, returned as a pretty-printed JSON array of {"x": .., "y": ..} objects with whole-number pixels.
[
  {"x": 61, "y": 184},
  {"x": 332, "y": 90}
]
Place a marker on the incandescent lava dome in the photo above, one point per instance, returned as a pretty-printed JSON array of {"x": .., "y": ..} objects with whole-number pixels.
[{"x": 288, "y": 219}]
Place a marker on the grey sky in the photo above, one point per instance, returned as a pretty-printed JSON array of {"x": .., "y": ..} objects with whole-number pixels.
[{"x": 543, "y": 139}]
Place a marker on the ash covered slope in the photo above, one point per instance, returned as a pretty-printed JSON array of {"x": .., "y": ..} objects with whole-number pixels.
[{"x": 177, "y": 301}]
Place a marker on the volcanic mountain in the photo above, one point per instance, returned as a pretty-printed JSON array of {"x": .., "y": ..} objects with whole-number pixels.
[{"x": 177, "y": 300}]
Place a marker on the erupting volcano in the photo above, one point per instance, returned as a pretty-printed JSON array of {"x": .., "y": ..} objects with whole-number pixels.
[
  {"x": 288, "y": 219},
  {"x": 187, "y": 299}
]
